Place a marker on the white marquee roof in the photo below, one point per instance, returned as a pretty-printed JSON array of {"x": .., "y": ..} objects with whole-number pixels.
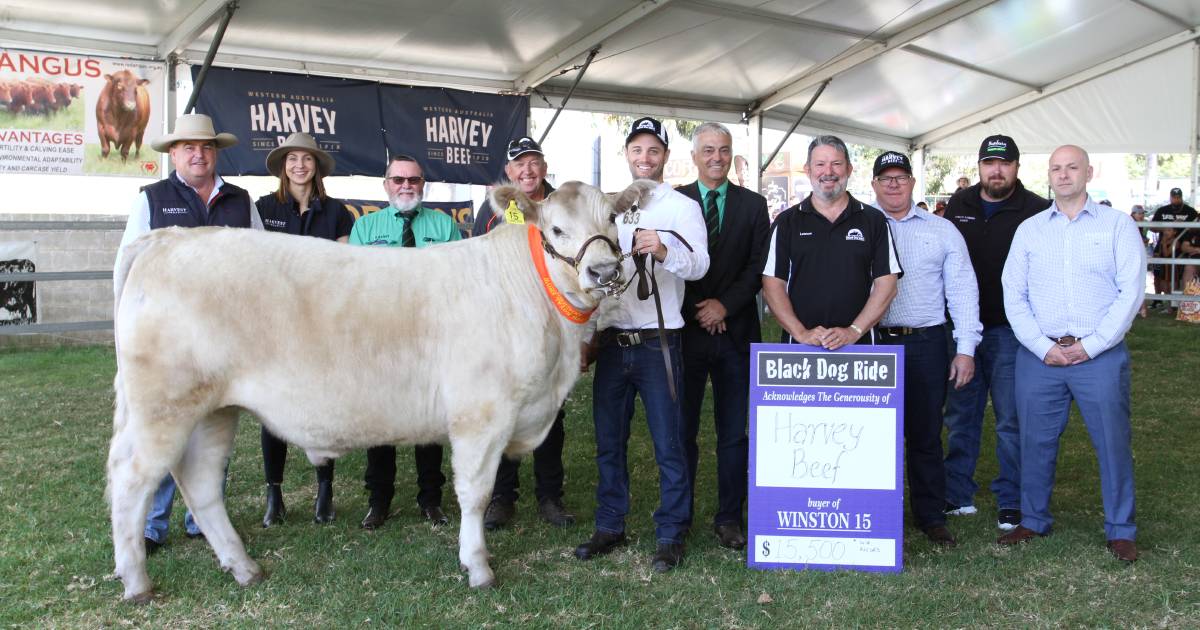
[{"x": 1111, "y": 75}]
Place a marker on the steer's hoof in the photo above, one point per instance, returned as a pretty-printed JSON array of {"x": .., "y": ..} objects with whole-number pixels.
[
  {"x": 483, "y": 579},
  {"x": 145, "y": 597},
  {"x": 253, "y": 578}
]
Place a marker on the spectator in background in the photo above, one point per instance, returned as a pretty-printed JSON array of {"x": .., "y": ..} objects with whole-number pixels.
[
  {"x": 301, "y": 207},
  {"x": 1167, "y": 247},
  {"x": 1138, "y": 213},
  {"x": 939, "y": 208},
  {"x": 963, "y": 182},
  {"x": 922, "y": 205}
]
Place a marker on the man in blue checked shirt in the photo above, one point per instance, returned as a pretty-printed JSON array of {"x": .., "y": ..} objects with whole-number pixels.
[
  {"x": 1073, "y": 283},
  {"x": 937, "y": 274}
]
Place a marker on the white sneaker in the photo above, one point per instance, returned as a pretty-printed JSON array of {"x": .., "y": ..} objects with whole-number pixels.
[{"x": 963, "y": 510}]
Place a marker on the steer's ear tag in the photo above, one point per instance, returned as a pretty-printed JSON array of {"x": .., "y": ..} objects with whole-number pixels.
[{"x": 513, "y": 214}]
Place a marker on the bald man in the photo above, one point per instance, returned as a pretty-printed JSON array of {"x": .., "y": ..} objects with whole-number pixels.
[{"x": 1073, "y": 283}]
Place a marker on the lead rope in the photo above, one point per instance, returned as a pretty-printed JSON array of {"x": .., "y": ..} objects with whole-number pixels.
[{"x": 639, "y": 263}]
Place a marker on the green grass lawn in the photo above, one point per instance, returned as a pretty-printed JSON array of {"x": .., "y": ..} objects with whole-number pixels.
[
  {"x": 56, "y": 553},
  {"x": 144, "y": 165}
]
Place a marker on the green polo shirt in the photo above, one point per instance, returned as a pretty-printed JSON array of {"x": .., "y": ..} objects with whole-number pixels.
[
  {"x": 386, "y": 227},
  {"x": 722, "y": 191}
]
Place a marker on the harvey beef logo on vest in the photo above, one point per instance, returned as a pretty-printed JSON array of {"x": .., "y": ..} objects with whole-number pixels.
[
  {"x": 457, "y": 136},
  {"x": 283, "y": 114}
]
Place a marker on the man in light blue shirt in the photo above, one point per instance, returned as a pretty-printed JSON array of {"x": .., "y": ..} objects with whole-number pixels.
[
  {"x": 1073, "y": 283},
  {"x": 937, "y": 274}
]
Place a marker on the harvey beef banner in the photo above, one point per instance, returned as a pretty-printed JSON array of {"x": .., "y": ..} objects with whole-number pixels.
[
  {"x": 79, "y": 115},
  {"x": 457, "y": 136},
  {"x": 263, "y": 108}
]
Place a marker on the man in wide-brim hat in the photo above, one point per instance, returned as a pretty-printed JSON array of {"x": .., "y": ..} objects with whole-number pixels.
[{"x": 193, "y": 195}]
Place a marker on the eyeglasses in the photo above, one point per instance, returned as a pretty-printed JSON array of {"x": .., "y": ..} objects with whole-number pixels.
[
  {"x": 893, "y": 179},
  {"x": 412, "y": 181}
]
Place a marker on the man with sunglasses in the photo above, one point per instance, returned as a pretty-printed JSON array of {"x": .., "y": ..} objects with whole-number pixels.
[
  {"x": 526, "y": 169},
  {"x": 404, "y": 223},
  {"x": 937, "y": 275},
  {"x": 635, "y": 356}
]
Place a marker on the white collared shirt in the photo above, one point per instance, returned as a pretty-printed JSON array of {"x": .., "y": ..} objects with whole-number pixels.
[{"x": 666, "y": 210}]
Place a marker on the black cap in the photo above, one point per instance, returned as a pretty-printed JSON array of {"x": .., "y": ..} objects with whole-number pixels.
[
  {"x": 523, "y": 145},
  {"x": 889, "y": 159},
  {"x": 647, "y": 125},
  {"x": 1175, "y": 192},
  {"x": 999, "y": 148}
]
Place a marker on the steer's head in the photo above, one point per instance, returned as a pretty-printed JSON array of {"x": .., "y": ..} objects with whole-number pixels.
[
  {"x": 583, "y": 267},
  {"x": 124, "y": 85}
]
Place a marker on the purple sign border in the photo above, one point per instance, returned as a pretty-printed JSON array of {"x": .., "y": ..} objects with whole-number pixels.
[{"x": 886, "y": 507}]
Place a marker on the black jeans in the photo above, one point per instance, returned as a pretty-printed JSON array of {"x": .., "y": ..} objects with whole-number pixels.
[
  {"x": 274, "y": 452},
  {"x": 547, "y": 467},
  {"x": 380, "y": 477},
  {"x": 926, "y": 368}
]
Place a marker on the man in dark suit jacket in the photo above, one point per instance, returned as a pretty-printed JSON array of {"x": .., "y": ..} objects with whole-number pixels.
[{"x": 721, "y": 316}]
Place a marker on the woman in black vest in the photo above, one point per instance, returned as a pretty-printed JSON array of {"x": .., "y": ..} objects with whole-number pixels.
[{"x": 300, "y": 207}]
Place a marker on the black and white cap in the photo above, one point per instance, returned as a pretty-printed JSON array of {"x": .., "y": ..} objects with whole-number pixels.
[
  {"x": 523, "y": 145},
  {"x": 891, "y": 159},
  {"x": 647, "y": 125}
]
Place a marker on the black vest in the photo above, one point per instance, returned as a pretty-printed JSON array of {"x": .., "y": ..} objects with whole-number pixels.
[{"x": 173, "y": 202}]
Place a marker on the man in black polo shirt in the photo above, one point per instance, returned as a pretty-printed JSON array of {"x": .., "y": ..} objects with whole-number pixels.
[
  {"x": 987, "y": 214},
  {"x": 1168, "y": 247},
  {"x": 832, "y": 268}
]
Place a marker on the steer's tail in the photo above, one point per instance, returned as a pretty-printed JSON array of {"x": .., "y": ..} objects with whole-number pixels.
[{"x": 125, "y": 259}]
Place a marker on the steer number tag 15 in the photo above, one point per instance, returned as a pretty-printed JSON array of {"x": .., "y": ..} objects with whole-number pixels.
[{"x": 513, "y": 214}]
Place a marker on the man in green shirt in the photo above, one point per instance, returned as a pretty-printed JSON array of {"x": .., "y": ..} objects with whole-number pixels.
[{"x": 404, "y": 223}]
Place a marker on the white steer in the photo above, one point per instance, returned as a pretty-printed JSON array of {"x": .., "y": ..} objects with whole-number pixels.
[{"x": 336, "y": 348}]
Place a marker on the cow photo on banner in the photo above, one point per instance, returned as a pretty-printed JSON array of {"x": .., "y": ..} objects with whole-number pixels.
[
  {"x": 78, "y": 115},
  {"x": 459, "y": 137},
  {"x": 18, "y": 299},
  {"x": 263, "y": 108}
]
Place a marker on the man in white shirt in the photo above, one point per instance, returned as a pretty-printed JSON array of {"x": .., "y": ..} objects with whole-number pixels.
[{"x": 630, "y": 358}]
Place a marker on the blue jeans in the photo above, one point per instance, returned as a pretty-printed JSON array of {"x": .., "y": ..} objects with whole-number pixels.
[
  {"x": 729, "y": 365},
  {"x": 160, "y": 513},
  {"x": 1101, "y": 389},
  {"x": 621, "y": 374},
  {"x": 994, "y": 365}
]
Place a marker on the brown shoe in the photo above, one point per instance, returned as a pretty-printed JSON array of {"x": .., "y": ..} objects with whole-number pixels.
[
  {"x": 939, "y": 535},
  {"x": 1125, "y": 550},
  {"x": 1019, "y": 535}
]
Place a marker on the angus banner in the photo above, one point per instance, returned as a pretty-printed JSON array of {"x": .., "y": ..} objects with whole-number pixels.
[
  {"x": 458, "y": 137},
  {"x": 263, "y": 108},
  {"x": 79, "y": 115}
]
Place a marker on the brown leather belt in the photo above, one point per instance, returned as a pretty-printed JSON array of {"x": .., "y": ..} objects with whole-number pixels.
[
  {"x": 630, "y": 338},
  {"x": 1065, "y": 341}
]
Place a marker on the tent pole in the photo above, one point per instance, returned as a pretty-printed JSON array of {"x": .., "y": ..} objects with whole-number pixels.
[
  {"x": 753, "y": 176},
  {"x": 763, "y": 166},
  {"x": 208, "y": 57},
  {"x": 563, "y": 104},
  {"x": 918, "y": 165},
  {"x": 1195, "y": 114}
]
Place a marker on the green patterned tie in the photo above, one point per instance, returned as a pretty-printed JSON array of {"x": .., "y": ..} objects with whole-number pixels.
[{"x": 712, "y": 219}]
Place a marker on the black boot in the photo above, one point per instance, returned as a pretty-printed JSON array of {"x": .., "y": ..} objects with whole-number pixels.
[
  {"x": 323, "y": 513},
  {"x": 275, "y": 510}
]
